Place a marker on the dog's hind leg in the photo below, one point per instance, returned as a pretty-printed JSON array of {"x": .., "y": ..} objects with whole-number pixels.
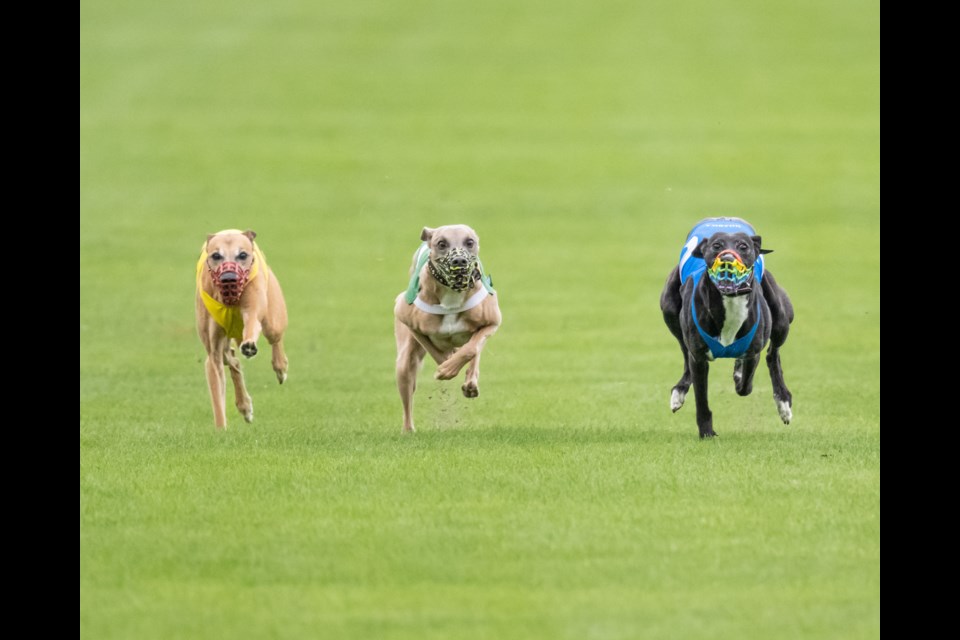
[
  {"x": 781, "y": 394},
  {"x": 274, "y": 326},
  {"x": 743, "y": 371},
  {"x": 410, "y": 355},
  {"x": 273, "y": 331},
  {"x": 279, "y": 360},
  {"x": 671, "y": 303},
  {"x": 679, "y": 392},
  {"x": 243, "y": 400},
  {"x": 471, "y": 386},
  {"x": 781, "y": 311}
]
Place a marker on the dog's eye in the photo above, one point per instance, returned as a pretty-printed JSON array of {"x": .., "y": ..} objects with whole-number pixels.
[
  {"x": 469, "y": 243},
  {"x": 242, "y": 255},
  {"x": 217, "y": 256},
  {"x": 742, "y": 246},
  {"x": 442, "y": 245},
  {"x": 717, "y": 246}
]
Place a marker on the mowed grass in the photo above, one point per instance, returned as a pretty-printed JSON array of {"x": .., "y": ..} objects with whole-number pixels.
[{"x": 582, "y": 141}]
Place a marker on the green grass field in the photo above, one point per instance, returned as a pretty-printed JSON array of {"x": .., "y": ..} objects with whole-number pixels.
[{"x": 582, "y": 140}]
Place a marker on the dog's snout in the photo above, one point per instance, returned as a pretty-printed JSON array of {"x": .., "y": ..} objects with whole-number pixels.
[
  {"x": 459, "y": 261},
  {"x": 729, "y": 255},
  {"x": 229, "y": 276}
]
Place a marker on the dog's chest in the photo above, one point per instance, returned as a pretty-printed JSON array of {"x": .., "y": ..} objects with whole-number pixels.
[
  {"x": 735, "y": 310},
  {"x": 448, "y": 332},
  {"x": 454, "y": 323},
  {"x": 452, "y": 327}
]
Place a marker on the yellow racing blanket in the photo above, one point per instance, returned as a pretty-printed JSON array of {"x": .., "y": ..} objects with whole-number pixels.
[{"x": 227, "y": 317}]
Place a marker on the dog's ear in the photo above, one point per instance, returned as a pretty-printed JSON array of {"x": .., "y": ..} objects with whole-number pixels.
[
  {"x": 250, "y": 234},
  {"x": 756, "y": 245},
  {"x": 426, "y": 234},
  {"x": 698, "y": 250},
  {"x": 209, "y": 236}
]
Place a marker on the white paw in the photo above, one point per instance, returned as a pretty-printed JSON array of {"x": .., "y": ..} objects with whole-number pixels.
[
  {"x": 282, "y": 377},
  {"x": 786, "y": 413},
  {"x": 248, "y": 415},
  {"x": 676, "y": 399}
]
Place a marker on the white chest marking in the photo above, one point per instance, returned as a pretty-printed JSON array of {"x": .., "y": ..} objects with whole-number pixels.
[
  {"x": 735, "y": 314},
  {"x": 452, "y": 325}
]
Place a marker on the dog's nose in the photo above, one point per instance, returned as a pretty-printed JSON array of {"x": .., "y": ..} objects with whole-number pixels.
[
  {"x": 229, "y": 276},
  {"x": 459, "y": 262}
]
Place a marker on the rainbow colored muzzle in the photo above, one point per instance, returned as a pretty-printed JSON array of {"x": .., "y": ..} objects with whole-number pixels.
[{"x": 730, "y": 275}]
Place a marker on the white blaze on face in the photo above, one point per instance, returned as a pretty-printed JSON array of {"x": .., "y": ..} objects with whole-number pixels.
[{"x": 735, "y": 314}]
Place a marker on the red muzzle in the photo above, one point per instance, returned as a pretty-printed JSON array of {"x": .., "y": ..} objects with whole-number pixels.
[{"x": 230, "y": 279}]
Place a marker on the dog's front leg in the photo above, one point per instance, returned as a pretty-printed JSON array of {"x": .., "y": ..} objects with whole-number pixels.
[
  {"x": 700, "y": 370},
  {"x": 251, "y": 333},
  {"x": 450, "y": 367},
  {"x": 243, "y": 399},
  {"x": 410, "y": 355},
  {"x": 427, "y": 345},
  {"x": 218, "y": 386}
]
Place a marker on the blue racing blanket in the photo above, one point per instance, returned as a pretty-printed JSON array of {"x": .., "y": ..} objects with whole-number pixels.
[{"x": 691, "y": 267}]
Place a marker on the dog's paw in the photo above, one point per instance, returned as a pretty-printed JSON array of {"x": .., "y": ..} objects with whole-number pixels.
[
  {"x": 248, "y": 414},
  {"x": 281, "y": 376},
  {"x": 447, "y": 370},
  {"x": 785, "y": 411},
  {"x": 470, "y": 389},
  {"x": 676, "y": 399},
  {"x": 249, "y": 349}
]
